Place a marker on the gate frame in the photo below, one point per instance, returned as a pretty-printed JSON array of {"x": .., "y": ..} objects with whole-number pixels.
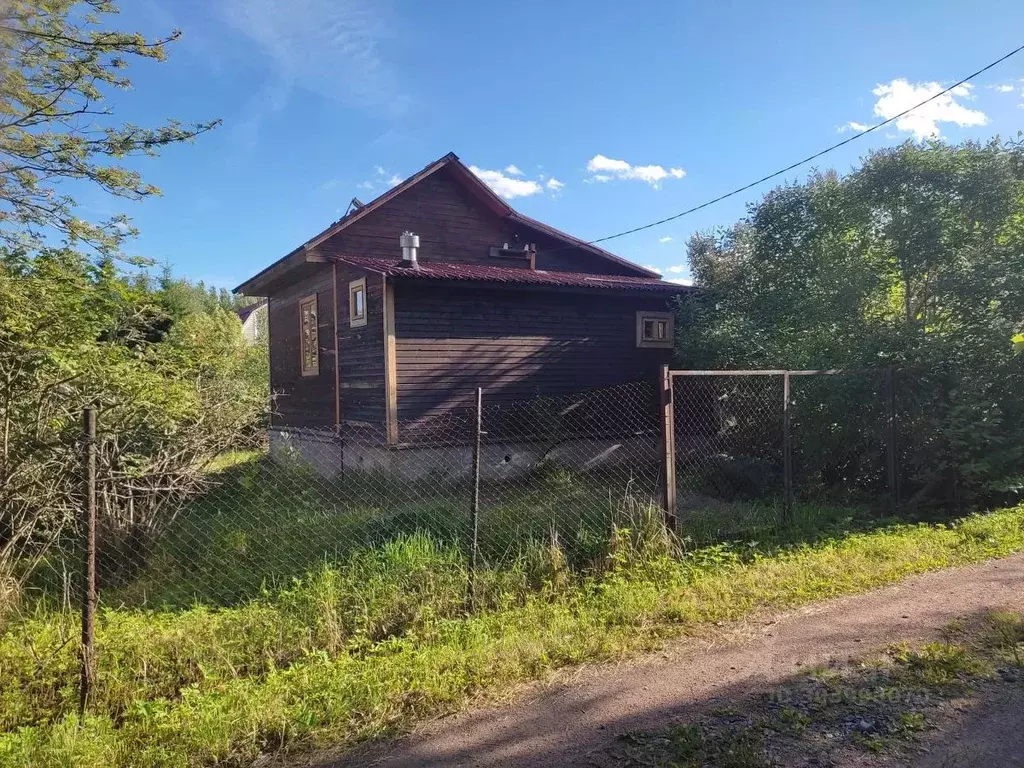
[{"x": 666, "y": 388}]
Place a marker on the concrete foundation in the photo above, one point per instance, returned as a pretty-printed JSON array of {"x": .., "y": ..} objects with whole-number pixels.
[{"x": 328, "y": 455}]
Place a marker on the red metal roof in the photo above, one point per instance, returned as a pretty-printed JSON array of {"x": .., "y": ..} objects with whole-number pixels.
[{"x": 435, "y": 270}]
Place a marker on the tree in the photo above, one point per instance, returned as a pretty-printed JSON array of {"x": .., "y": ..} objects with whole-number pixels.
[
  {"x": 915, "y": 259},
  {"x": 172, "y": 397},
  {"x": 58, "y": 60}
]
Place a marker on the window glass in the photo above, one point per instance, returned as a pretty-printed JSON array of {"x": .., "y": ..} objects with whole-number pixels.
[
  {"x": 357, "y": 302},
  {"x": 654, "y": 329},
  {"x": 308, "y": 341}
]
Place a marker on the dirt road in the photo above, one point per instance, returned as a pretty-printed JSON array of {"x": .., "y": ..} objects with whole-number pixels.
[{"x": 575, "y": 718}]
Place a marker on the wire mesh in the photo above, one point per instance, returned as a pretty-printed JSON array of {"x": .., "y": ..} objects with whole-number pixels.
[
  {"x": 566, "y": 470},
  {"x": 563, "y": 481},
  {"x": 731, "y": 449},
  {"x": 728, "y": 453}
]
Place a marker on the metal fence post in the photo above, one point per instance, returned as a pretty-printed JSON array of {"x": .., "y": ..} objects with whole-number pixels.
[
  {"x": 88, "y": 659},
  {"x": 668, "y": 446},
  {"x": 787, "y": 453},
  {"x": 892, "y": 473},
  {"x": 474, "y": 512}
]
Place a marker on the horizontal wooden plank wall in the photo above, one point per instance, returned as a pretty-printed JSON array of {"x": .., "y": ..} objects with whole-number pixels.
[
  {"x": 454, "y": 227},
  {"x": 308, "y": 401},
  {"x": 361, "y": 353},
  {"x": 302, "y": 401},
  {"x": 451, "y": 339}
]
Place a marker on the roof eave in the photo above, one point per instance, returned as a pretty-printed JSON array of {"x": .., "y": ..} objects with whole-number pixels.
[{"x": 257, "y": 284}]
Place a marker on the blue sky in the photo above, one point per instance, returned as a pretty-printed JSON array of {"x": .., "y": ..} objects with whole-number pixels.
[{"x": 592, "y": 116}]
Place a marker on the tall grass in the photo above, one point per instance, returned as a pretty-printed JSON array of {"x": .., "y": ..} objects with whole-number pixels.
[
  {"x": 359, "y": 647},
  {"x": 266, "y": 525}
]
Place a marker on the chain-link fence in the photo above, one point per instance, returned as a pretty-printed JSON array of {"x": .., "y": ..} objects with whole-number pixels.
[
  {"x": 754, "y": 449},
  {"x": 496, "y": 480},
  {"x": 542, "y": 488}
]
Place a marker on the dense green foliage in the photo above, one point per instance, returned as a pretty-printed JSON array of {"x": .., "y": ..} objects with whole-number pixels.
[
  {"x": 916, "y": 260},
  {"x": 175, "y": 388},
  {"x": 360, "y": 649}
]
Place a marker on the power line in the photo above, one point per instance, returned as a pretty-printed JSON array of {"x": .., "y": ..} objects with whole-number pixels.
[{"x": 809, "y": 158}]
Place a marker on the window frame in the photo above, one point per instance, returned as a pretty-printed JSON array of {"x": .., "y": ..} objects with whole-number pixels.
[
  {"x": 642, "y": 341},
  {"x": 357, "y": 320},
  {"x": 314, "y": 369}
]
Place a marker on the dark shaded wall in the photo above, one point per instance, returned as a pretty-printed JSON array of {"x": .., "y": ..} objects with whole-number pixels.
[
  {"x": 454, "y": 227},
  {"x": 516, "y": 344},
  {"x": 308, "y": 401}
]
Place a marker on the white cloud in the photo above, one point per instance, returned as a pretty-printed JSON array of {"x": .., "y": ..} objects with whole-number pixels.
[
  {"x": 1004, "y": 88},
  {"x": 665, "y": 239},
  {"x": 605, "y": 168},
  {"x": 677, "y": 269},
  {"x": 680, "y": 280},
  {"x": 395, "y": 180},
  {"x": 379, "y": 170},
  {"x": 334, "y": 48},
  {"x": 511, "y": 170},
  {"x": 853, "y": 125},
  {"x": 652, "y": 268},
  {"x": 554, "y": 184},
  {"x": 506, "y": 186},
  {"x": 365, "y": 185},
  {"x": 899, "y": 95}
]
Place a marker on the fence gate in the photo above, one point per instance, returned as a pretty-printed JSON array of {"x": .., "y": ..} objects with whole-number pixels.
[{"x": 768, "y": 445}]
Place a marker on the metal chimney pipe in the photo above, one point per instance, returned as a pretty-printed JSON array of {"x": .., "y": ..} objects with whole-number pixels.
[{"x": 410, "y": 245}]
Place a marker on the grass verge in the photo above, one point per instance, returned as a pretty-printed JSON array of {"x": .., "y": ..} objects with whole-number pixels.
[{"x": 362, "y": 649}]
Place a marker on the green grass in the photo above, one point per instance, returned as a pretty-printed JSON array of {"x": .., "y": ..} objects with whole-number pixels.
[
  {"x": 365, "y": 644},
  {"x": 264, "y": 525}
]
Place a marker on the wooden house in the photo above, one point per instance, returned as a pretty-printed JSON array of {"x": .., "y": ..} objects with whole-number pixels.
[{"x": 394, "y": 314}]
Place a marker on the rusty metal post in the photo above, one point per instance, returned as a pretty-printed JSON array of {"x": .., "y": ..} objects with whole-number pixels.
[
  {"x": 668, "y": 447},
  {"x": 474, "y": 511},
  {"x": 787, "y": 453},
  {"x": 88, "y": 526},
  {"x": 892, "y": 472}
]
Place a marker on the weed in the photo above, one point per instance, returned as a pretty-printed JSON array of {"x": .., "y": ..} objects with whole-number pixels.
[{"x": 938, "y": 665}]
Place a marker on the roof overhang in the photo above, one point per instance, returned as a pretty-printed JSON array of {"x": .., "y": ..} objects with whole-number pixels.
[{"x": 295, "y": 265}]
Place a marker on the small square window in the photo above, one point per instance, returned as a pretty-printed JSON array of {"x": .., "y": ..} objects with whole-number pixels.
[
  {"x": 654, "y": 329},
  {"x": 309, "y": 337},
  {"x": 357, "y": 302}
]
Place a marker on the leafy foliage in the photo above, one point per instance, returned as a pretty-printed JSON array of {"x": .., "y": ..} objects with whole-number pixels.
[
  {"x": 174, "y": 392},
  {"x": 916, "y": 260},
  {"x": 58, "y": 61}
]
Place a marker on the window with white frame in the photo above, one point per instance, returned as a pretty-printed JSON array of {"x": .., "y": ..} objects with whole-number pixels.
[
  {"x": 357, "y": 302},
  {"x": 655, "y": 329}
]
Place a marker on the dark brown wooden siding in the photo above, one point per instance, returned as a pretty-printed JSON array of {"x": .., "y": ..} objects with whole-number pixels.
[
  {"x": 515, "y": 344},
  {"x": 308, "y": 401},
  {"x": 302, "y": 401},
  {"x": 361, "y": 353},
  {"x": 455, "y": 227}
]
